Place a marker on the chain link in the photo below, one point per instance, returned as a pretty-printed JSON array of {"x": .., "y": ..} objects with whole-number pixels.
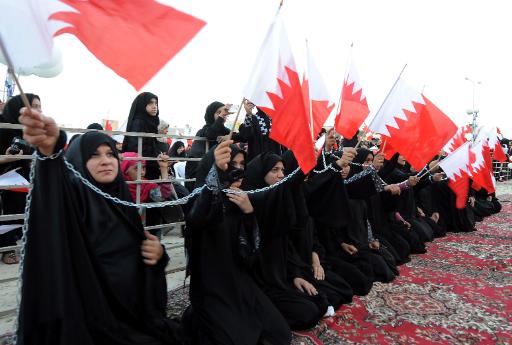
[{"x": 25, "y": 229}]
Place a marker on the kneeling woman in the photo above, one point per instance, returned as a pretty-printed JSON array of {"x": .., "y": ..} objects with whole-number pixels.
[
  {"x": 91, "y": 275},
  {"x": 222, "y": 243}
]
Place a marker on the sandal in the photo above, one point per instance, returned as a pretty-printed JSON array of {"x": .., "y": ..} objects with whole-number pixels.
[{"x": 10, "y": 258}]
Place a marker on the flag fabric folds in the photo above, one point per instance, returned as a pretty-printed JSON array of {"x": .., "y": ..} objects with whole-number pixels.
[
  {"x": 457, "y": 168},
  {"x": 412, "y": 125},
  {"x": 134, "y": 38},
  {"x": 274, "y": 86},
  {"x": 316, "y": 96},
  {"x": 353, "y": 105}
]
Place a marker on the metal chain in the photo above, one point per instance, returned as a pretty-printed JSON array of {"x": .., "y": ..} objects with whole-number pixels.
[
  {"x": 264, "y": 189},
  {"x": 26, "y": 217},
  {"x": 86, "y": 182}
]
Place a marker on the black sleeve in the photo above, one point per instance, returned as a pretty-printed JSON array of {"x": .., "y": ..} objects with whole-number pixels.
[
  {"x": 215, "y": 130},
  {"x": 130, "y": 143},
  {"x": 246, "y": 131},
  {"x": 206, "y": 208}
]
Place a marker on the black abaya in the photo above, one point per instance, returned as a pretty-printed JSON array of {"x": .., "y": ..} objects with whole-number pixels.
[
  {"x": 84, "y": 280},
  {"x": 274, "y": 271}
]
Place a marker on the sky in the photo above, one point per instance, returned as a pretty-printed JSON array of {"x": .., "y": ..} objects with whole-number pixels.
[{"x": 442, "y": 43}]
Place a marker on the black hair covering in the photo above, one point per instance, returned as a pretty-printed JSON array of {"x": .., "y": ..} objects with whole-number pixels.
[
  {"x": 173, "y": 151},
  {"x": 138, "y": 111},
  {"x": 258, "y": 168},
  {"x": 82, "y": 148},
  {"x": 95, "y": 125},
  {"x": 361, "y": 156},
  {"x": 210, "y": 112},
  {"x": 13, "y": 106}
]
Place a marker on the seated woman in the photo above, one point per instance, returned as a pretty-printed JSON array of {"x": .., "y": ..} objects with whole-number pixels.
[
  {"x": 92, "y": 275},
  {"x": 301, "y": 304},
  {"x": 223, "y": 242},
  {"x": 328, "y": 205},
  {"x": 382, "y": 230}
]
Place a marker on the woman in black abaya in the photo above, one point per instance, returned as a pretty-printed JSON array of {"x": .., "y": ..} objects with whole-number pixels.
[
  {"x": 296, "y": 298},
  {"x": 222, "y": 244},
  {"x": 382, "y": 229},
  {"x": 144, "y": 118},
  {"x": 328, "y": 204},
  {"x": 91, "y": 275}
]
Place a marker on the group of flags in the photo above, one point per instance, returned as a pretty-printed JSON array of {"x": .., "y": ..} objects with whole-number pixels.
[
  {"x": 472, "y": 161},
  {"x": 137, "y": 38}
]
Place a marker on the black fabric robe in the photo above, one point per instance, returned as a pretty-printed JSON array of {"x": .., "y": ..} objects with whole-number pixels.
[
  {"x": 222, "y": 245},
  {"x": 84, "y": 280},
  {"x": 140, "y": 121},
  {"x": 274, "y": 272},
  {"x": 256, "y": 134},
  {"x": 328, "y": 205},
  {"x": 227, "y": 305}
]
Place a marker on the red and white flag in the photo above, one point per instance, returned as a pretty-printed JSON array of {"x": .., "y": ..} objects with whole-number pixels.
[
  {"x": 353, "y": 105},
  {"x": 458, "y": 139},
  {"x": 412, "y": 125},
  {"x": 134, "y": 38},
  {"x": 313, "y": 86},
  {"x": 490, "y": 135},
  {"x": 481, "y": 166},
  {"x": 274, "y": 86},
  {"x": 27, "y": 31},
  {"x": 456, "y": 167}
]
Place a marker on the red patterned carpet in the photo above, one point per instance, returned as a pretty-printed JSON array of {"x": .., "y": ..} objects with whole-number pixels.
[{"x": 460, "y": 292}]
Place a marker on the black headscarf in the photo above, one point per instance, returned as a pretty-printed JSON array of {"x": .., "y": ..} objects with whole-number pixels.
[
  {"x": 13, "y": 106},
  {"x": 209, "y": 115},
  {"x": 258, "y": 168},
  {"x": 361, "y": 156},
  {"x": 79, "y": 152},
  {"x": 173, "y": 151},
  {"x": 138, "y": 111},
  {"x": 95, "y": 126}
]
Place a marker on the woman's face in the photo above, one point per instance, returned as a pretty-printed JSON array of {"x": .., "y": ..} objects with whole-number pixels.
[
  {"x": 275, "y": 174},
  {"x": 221, "y": 111},
  {"x": 401, "y": 160},
  {"x": 344, "y": 171},
  {"x": 369, "y": 160},
  {"x": 238, "y": 162},
  {"x": 103, "y": 165},
  {"x": 152, "y": 107},
  {"x": 132, "y": 172},
  {"x": 180, "y": 149},
  {"x": 36, "y": 104}
]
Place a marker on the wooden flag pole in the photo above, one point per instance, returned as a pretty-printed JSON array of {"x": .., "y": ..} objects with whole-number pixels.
[
  {"x": 236, "y": 119},
  {"x": 10, "y": 69}
]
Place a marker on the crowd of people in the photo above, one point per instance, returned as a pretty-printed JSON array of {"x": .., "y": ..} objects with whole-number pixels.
[{"x": 269, "y": 248}]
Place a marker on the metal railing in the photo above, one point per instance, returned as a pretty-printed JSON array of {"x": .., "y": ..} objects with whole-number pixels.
[
  {"x": 501, "y": 171},
  {"x": 139, "y": 181}
]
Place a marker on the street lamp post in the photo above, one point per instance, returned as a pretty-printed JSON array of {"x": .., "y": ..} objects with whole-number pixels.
[{"x": 473, "y": 111}]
